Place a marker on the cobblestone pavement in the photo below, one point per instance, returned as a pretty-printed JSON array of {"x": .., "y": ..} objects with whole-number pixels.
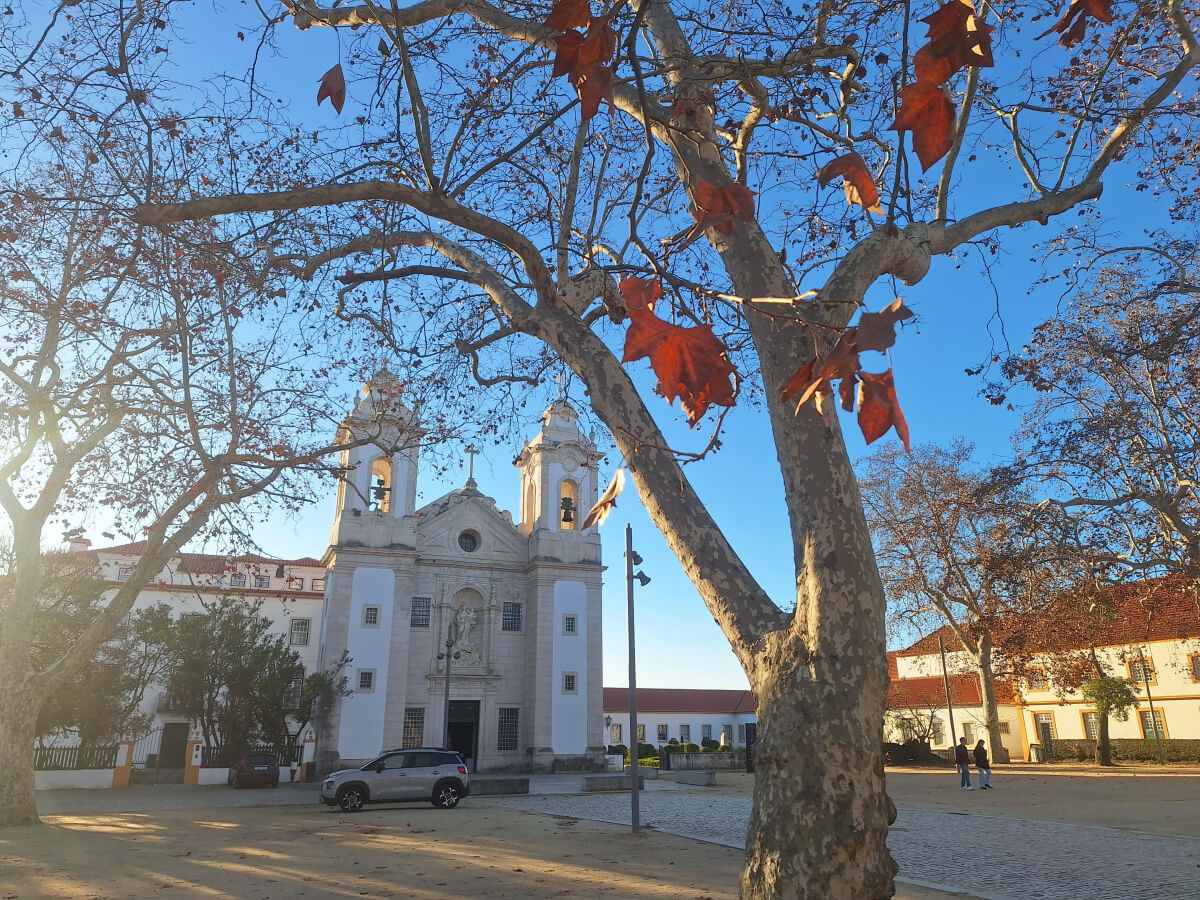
[{"x": 990, "y": 857}]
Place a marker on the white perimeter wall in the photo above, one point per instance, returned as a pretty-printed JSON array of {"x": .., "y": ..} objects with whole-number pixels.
[
  {"x": 73, "y": 778},
  {"x": 568, "y": 720},
  {"x": 361, "y": 732},
  {"x": 673, "y": 720}
]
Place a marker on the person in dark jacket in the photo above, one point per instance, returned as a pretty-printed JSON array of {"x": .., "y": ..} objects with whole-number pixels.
[
  {"x": 985, "y": 769},
  {"x": 962, "y": 759}
]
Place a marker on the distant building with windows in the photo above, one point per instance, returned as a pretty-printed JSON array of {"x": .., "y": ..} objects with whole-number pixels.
[
  {"x": 521, "y": 601},
  {"x": 685, "y": 715},
  {"x": 1155, "y": 644}
]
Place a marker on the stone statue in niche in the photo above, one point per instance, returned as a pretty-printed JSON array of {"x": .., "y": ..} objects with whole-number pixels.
[{"x": 464, "y": 622}]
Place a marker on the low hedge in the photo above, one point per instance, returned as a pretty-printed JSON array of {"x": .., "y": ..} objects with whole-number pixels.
[{"x": 1127, "y": 749}]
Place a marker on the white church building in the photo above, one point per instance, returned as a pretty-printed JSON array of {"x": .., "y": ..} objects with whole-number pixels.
[{"x": 520, "y": 599}]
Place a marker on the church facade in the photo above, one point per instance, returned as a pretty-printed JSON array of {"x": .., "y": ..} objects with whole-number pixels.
[
  {"x": 519, "y": 600},
  {"x": 513, "y": 608}
]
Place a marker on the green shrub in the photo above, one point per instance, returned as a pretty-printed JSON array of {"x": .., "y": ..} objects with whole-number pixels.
[
  {"x": 1127, "y": 750},
  {"x": 618, "y": 748},
  {"x": 710, "y": 744},
  {"x": 647, "y": 750},
  {"x": 682, "y": 748}
]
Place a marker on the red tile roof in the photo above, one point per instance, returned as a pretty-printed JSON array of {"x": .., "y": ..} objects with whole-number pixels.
[
  {"x": 668, "y": 700},
  {"x": 1157, "y": 609},
  {"x": 930, "y": 692},
  {"x": 207, "y": 563}
]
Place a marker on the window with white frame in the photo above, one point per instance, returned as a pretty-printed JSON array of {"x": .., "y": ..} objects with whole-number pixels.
[
  {"x": 262, "y": 581},
  {"x": 420, "y": 612},
  {"x": 641, "y": 734},
  {"x": 614, "y": 733},
  {"x": 510, "y": 617},
  {"x": 741, "y": 732},
  {"x": 570, "y": 683},
  {"x": 685, "y": 734},
  {"x": 937, "y": 731},
  {"x": 298, "y": 637},
  {"x": 507, "y": 729},
  {"x": 365, "y": 682},
  {"x": 237, "y": 579},
  {"x": 706, "y": 732},
  {"x": 969, "y": 732},
  {"x": 370, "y": 617},
  {"x": 124, "y": 572},
  {"x": 1141, "y": 671},
  {"x": 414, "y": 726},
  {"x": 662, "y": 733},
  {"x": 1155, "y": 727},
  {"x": 570, "y": 625},
  {"x": 318, "y": 584},
  {"x": 1091, "y": 725},
  {"x": 295, "y": 583}
]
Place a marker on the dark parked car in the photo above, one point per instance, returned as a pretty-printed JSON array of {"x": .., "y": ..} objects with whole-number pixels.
[
  {"x": 422, "y": 773},
  {"x": 254, "y": 768}
]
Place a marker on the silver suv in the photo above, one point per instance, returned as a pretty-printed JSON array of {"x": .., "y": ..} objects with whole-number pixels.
[{"x": 396, "y": 776}]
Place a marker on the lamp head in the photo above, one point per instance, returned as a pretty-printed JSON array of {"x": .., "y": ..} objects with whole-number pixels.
[
  {"x": 636, "y": 557},
  {"x": 642, "y": 578}
]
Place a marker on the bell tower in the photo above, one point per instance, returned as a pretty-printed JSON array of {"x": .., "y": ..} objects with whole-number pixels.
[
  {"x": 380, "y": 477},
  {"x": 558, "y": 474}
]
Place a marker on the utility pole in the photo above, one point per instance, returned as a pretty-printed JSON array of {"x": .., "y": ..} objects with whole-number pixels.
[
  {"x": 451, "y": 640},
  {"x": 949, "y": 702},
  {"x": 630, "y": 559}
]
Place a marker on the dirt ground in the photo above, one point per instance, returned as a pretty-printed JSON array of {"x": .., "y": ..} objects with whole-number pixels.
[
  {"x": 406, "y": 852},
  {"x": 482, "y": 850}
]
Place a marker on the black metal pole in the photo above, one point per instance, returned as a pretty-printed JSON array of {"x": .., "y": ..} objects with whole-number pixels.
[
  {"x": 949, "y": 702},
  {"x": 633, "y": 732}
]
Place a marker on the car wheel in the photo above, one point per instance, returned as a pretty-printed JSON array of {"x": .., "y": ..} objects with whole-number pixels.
[
  {"x": 446, "y": 795},
  {"x": 351, "y": 799}
]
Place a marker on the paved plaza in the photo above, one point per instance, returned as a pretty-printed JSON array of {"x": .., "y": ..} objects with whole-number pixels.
[
  {"x": 958, "y": 845},
  {"x": 989, "y": 857}
]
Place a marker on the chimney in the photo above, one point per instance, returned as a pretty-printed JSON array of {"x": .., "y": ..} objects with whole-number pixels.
[{"x": 80, "y": 545}]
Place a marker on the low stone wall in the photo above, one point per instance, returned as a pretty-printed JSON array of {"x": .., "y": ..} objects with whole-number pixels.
[
  {"x": 214, "y": 775},
  {"x": 51, "y": 779},
  {"x": 734, "y": 759}
]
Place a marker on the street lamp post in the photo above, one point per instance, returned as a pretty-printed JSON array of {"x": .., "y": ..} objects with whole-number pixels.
[
  {"x": 632, "y": 558},
  {"x": 451, "y": 640}
]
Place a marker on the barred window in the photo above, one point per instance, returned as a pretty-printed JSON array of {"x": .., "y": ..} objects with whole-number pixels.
[
  {"x": 510, "y": 617},
  {"x": 685, "y": 734},
  {"x": 420, "y": 612},
  {"x": 366, "y": 681},
  {"x": 370, "y": 616},
  {"x": 662, "y": 734},
  {"x": 1091, "y": 726},
  {"x": 414, "y": 726},
  {"x": 318, "y": 584},
  {"x": 507, "y": 729},
  {"x": 570, "y": 625},
  {"x": 706, "y": 732},
  {"x": 299, "y": 633},
  {"x": 291, "y": 697},
  {"x": 570, "y": 683},
  {"x": 262, "y": 581},
  {"x": 741, "y": 733},
  {"x": 124, "y": 572},
  {"x": 237, "y": 579},
  {"x": 614, "y": 733}
]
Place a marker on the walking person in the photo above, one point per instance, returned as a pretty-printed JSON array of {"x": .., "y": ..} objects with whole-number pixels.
[
  {"x": 962, "y": 759},
  {"x": 984, "y": 767}
]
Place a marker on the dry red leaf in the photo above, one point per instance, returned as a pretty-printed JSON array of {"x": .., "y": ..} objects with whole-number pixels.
[
  {"x": 600, "y": 43},
  {"x": 817, "y": 376},
  {"x": 607, "y": 502},
  {"x": 1073, "y": 25},
  {"x": 860, "y": 186},
  {"x": 566, "y": 57},
  {"x": 593, "y": 83},
  {"x": 639, "y": 292},
  {"x": 926, "y": 111},
  {"x": 567, "y": 14},
  {"x": 689, "y": 361},
  {"x": 333, "y": 86},
  {"x": 956, "y": 39},
  {"x": 717, "y": 207},
  {"x": 877, "y": 331},
  {"x": 879, "y": 408}
]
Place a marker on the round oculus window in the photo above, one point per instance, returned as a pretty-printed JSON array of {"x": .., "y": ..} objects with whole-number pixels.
[{"x": 468, "y": 541}]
